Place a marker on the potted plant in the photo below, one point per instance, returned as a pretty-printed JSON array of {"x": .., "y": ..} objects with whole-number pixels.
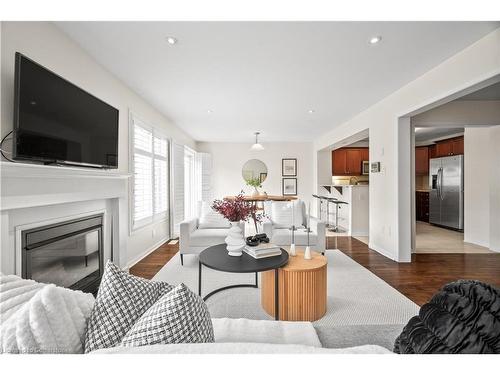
[
  {"x": 235, "y": 210},
  {"x": 255, "y": 183}
]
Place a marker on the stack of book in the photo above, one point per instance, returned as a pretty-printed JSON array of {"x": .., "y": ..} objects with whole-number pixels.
[{"x": 264, "y": 250}]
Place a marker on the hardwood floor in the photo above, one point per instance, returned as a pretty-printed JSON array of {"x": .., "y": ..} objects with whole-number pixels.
[
  {"x": 427, "y": 273},
  {"x": 151, "y": 264},
  {"x": 417, "y": 280}
]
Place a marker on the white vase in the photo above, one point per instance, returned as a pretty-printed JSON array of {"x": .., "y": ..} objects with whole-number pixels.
[
  {"x": 234, "y": 240},
  {"x": 255, "y": 192}
]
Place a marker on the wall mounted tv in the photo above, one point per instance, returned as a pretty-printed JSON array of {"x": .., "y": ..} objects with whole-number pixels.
[{"x": 56, "y": 122}]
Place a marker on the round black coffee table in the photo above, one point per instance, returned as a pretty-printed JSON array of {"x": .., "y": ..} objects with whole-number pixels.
[{"x": 217, "y": 258}]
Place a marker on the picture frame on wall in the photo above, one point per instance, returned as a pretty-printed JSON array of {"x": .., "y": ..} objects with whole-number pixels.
[
  {"x": 289, "y": 186},
  {"x": 289, "y": 167},
  {"x": 262, "y": 177}
]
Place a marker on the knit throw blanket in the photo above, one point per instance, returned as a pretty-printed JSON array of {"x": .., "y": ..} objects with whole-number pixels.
[{"x": 41, "y": 318}]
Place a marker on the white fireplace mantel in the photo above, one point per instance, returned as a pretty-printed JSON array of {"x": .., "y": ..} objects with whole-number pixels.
[
  {"x": 38, "y": 188},
  {"x": 32, "y": 185}
]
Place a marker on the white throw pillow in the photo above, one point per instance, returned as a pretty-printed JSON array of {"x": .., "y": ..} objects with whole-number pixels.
[
  {"x": 281, "y": 214},
  {"x": 211, "y": 219}
]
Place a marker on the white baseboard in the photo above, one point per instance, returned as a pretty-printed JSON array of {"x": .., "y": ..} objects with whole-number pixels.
[
  {"x": 359, "y": 234},
  {"x": 478, "y": 243},
  {"x": 381, "y": 251},
  {"x": 146, "y": 253}
]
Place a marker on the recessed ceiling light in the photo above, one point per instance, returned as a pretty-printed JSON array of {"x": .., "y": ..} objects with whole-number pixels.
[
  {"x": 375, "y": 39},
  {"x": 310, "y": 111},
  {"x": 209, "y": 111},
  {"x": 171, "y": 40}
]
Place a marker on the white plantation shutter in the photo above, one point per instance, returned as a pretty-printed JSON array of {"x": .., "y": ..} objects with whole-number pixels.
[
  {"x": 150, "y": 186},
  {"x": 206, "y": 173},
  {"x": 143, "y": 191},
  {"x": 161, "y": 198},
  {"x": 178, "y": 185}
]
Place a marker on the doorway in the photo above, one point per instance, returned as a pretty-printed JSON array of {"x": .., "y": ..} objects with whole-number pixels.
[
  {"x": 343, "y": 188},
  {"x": 453, "y": 174}
]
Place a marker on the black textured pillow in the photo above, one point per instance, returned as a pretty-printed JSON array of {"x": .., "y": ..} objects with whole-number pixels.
[
  {"x": 463, "y": 317},
  {"x": 180, "y": 316},
  {"x": 121, "y": 300}
]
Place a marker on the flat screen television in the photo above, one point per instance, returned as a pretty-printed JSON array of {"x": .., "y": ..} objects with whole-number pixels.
[{"x": 56, "y": 122}]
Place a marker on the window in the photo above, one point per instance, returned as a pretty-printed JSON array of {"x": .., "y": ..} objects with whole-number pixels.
[
  {"x": 190, "y": 183},
  {"x": 150, "y": 170}
]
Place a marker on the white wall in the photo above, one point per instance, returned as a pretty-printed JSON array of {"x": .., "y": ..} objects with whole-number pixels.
[
  {"x": 474, "y": 64},
  {"x": 494, "y": 158},
  {"x": 477, "y": 169},
  {"x": 228, "y": 159},
  {"x": 47, "y": 45},
  {"x": 461, "y": 113}
]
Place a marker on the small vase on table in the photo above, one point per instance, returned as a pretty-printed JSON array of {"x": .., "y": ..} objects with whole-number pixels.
[{"x": 234, "y": 240}]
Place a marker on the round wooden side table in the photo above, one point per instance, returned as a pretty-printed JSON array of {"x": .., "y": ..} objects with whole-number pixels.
[{"x": 301, "y": 290}]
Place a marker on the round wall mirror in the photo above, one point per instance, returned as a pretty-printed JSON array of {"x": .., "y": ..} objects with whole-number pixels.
[{"x": 254, "y": 169}]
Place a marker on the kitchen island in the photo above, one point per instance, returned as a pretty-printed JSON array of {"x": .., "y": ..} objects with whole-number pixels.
[{"x": 353, "y": 216}]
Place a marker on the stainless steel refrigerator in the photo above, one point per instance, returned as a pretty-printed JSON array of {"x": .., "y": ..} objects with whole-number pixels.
[{"x": 446, "y": 198}]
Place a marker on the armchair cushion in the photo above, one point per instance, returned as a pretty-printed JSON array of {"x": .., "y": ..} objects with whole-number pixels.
[
  {"x": 210, "y": 218},
  {"x": 283, "y": 217},
  {"x": 283, "y": 237},
  {"x": 208, "y": 237}
]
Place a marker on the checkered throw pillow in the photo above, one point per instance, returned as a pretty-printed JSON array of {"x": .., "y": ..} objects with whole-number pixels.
[
  {"x": 121, "y": 300},
  {"x": 180, "y": 316}
]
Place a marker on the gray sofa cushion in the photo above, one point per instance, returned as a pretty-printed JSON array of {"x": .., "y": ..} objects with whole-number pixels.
[{"x": 355, "y": 335}]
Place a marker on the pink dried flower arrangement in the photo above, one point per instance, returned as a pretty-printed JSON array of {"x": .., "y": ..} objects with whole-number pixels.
[{"x": 237, "y": 209}]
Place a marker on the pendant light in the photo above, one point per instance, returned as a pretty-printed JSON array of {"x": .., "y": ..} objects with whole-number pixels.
[{"x": 257, "y": 146}]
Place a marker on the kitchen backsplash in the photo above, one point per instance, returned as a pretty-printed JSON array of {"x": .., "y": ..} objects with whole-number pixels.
[
  {"x": 422, "y": 182},
  {"x": 349, "y": 180}
]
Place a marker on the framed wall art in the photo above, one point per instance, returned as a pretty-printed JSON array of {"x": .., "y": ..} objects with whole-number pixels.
[
  {"x": 289, "y": 186},
  {"x": 289, "y": 167}
]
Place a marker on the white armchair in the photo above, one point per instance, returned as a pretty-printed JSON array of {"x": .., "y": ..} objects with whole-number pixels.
[
  {"x": 194, "y": 238},
  {"x": 282, "y": 235}
]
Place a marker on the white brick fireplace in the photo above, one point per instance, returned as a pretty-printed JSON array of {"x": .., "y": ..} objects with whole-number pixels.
[{"x": 37, "y": 195}]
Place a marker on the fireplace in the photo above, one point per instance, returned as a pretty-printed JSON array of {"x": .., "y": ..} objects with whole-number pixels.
[{"x": 68, "y": 254}]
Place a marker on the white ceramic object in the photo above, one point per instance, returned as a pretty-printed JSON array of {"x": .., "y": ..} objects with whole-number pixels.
[
  {"x": 293, "y": 252},
  {"x": 255, "y": 192},
  {"x": 307, "y": 253},
  {"x": 234, "y": 240}
]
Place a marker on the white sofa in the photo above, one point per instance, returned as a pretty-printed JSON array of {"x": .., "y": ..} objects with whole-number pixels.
[
  {"x": 193, "y": 239},
  {"x": 43, "y": 318},
  {"x": 282, "y": 235}
]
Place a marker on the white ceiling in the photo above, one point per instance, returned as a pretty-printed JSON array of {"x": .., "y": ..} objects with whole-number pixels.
[{"x": 265, "y": 76}]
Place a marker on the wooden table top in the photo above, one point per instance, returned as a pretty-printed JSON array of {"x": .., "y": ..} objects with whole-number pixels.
[
  {"x": 298, "y": 263},
  {"x": 263, "y": 198}
]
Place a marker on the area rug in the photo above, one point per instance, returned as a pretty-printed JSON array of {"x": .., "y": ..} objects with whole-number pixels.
[{"x": 355, "y": 295}]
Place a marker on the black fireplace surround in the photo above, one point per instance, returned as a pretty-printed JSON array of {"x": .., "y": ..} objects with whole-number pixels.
[{"x": 68, "y": 254}]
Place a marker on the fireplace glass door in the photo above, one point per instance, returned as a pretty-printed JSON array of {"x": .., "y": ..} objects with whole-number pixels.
[{"x": 68, "y": 255}]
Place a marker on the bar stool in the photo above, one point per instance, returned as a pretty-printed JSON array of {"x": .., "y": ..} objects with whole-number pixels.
[
  {"x": 321, "y": 199},
  {"x": 337, "y": 204},
  {"x": 328, "y": 201}
]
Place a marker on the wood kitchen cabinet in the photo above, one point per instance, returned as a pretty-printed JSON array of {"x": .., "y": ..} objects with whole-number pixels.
[
  {"x": 365, "y": 154},
  {"x": 450, "y": 147},
  {"x": 347, "y": 161},
  {"x": 457, "y": 146},
  {"x": 339, "y": 162},
  {"x": 422, "y": 206},
  {"x": 422, "y": 160},
  {"x": 353, "y": 161}
]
